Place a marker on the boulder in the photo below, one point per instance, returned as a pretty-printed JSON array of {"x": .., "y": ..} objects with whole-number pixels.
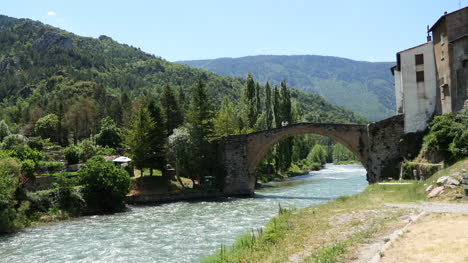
[
  {"x": 447, "y": 180},
  {"x": 436, "y": 191},
  {"x": 429, "y": 188},
  {"x": 452, "y": 181}
]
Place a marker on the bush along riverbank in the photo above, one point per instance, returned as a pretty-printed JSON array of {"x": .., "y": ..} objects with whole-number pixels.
[
  {"x": 99, "y": 188},
  {"x": 339, "y": 230}
]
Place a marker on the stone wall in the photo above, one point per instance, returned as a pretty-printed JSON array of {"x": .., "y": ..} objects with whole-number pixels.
[{"x": 383, "y": 148}]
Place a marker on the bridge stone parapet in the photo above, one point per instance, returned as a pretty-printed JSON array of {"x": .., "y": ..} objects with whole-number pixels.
[{"x": 376, "y": 145}]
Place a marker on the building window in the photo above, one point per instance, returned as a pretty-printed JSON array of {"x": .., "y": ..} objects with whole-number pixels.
[
  {"x": 442, "y": 55},
  {"x": 442, "y": 40},
  {"x": 419, "y": 59},
  {"x": 419, "y": 76}
]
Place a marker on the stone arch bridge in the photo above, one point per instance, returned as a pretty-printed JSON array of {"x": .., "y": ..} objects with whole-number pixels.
[{"x": 377, "y": 145}]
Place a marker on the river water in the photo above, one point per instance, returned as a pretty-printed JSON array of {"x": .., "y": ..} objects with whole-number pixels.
[{"x": 175, "y": 232}]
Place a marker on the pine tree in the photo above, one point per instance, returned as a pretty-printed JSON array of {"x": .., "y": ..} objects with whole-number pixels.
[
  {"x": 201, "y": 128},
  {"x": 138, "y": 138},
  {"x": 172, "y": 111},
  {"x": 268, "y": 107},
  {"x": 158, "y": 138}
]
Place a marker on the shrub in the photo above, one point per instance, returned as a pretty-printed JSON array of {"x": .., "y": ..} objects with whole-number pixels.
[
  {"x": 12, "y": 140},
  {"x": 4, "y": 130},
  {"x": 36, "y": 143},
  {"x": 11, "y": 218},
  {"x": 28, "y": 167},
  {"x": 48, "y": 126},
  {"x": 52, "y": 166},
  {"x": 69, "y": 198},
  {"x": 105, "y": 185},
  {"x": 88, "y": 149},
  {"x": 9, "y": 179},
  {"x": 72, "y": 154},
  {"x": 449, "y": 136},
  {"x": 105, "y": 151}
]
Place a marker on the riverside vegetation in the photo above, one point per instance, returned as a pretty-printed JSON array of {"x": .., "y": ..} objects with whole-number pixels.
[{"x": 66, "y": 100}]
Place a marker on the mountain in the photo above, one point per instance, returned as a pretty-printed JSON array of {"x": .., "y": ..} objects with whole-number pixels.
[
  {"x": 42, "y": 66},
  {"x": 363, "y": 87}
]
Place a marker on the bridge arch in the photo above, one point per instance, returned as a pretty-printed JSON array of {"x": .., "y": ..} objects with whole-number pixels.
[{"x": 348, "y": 135}]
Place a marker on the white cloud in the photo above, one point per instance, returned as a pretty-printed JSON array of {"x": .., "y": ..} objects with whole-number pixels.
[{"x": 51, "y": 13}]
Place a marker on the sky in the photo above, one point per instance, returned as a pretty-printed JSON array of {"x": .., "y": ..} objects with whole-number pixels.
[{"x": 368, "y": 30}]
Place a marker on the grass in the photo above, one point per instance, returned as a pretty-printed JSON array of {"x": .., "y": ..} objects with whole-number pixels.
[{"x": 330, "y": 232}]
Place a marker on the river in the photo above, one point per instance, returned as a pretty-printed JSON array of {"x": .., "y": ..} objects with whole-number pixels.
[{"x": 175, "y": 232}]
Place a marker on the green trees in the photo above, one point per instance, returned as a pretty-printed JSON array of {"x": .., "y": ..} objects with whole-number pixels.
[
  {"x": 72, "y": 154},
  {"x": 48, "y": 127},
  {"x": 109, "y": 135},
  {"x": 146, "y": 138},
  {"x": 341, "y": 154},
  {"x": 250, "y": 102},
  {"x": 158, "y": 138},
  {"x": 285, "y": 117},
  {"x": 171, "y": 108},
  {"x": 105, "y": 185},
  {"x": 317, "y": 155},
  {"x": 12, "y": 214},
  {"x": 200, "y": 116},
  {"x": 4, "y": 130},
  {"x": 448, "y": 135},
  {"x": 138, "y": 138},
  {"x": 268, "y": 107},
  {"x": 226, "y": 119}
]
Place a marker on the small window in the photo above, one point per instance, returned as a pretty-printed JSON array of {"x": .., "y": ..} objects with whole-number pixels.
[
  {"x": 442, "y": 40},
  {"x": 442, "y": 55},
  {"x": 419, "y": 76},
  {"x": 419, "y": 59}
]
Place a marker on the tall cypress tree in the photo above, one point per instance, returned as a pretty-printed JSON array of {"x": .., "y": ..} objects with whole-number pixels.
[
  {"x": 250, "y": 101},
  {"x": 172, "y": 110},
  {"x": 276, "y": 107},
  {"x": 258, "y": 102},
  {"x": 268, "y": 108},
  {"x": 285, "y": 146}
]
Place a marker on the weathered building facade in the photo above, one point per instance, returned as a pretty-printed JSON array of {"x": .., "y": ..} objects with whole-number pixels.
[
  {"x": 415, "y": 86},
  {"x": 432, "y": 78},
  {"x": 450, "y": 37}
]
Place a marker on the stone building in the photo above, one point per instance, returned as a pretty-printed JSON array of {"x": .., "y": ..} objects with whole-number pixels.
[
  {"x": 450, "y": 37},
  {"x": 432, "y": 78}
]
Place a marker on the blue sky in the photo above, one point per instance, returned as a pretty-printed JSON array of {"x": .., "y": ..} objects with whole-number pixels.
[{"x": 370, "y": 30}]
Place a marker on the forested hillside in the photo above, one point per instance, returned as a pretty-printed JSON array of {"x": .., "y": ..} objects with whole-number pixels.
[
  {"x": 363, "y": 87},
  {"x": 41, "y": 66}
]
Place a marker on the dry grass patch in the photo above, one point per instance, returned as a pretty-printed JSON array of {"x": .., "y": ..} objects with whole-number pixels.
[{"x": 435, "y": 238}]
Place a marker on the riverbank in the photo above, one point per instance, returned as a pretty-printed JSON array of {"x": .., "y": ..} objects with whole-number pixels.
[{"x": 349, "y": 229}]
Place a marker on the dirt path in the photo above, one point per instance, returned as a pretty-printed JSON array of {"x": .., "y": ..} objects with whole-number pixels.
[
  {"x": 436, "y": 207},
  {"x": 436, "y": 237}
]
